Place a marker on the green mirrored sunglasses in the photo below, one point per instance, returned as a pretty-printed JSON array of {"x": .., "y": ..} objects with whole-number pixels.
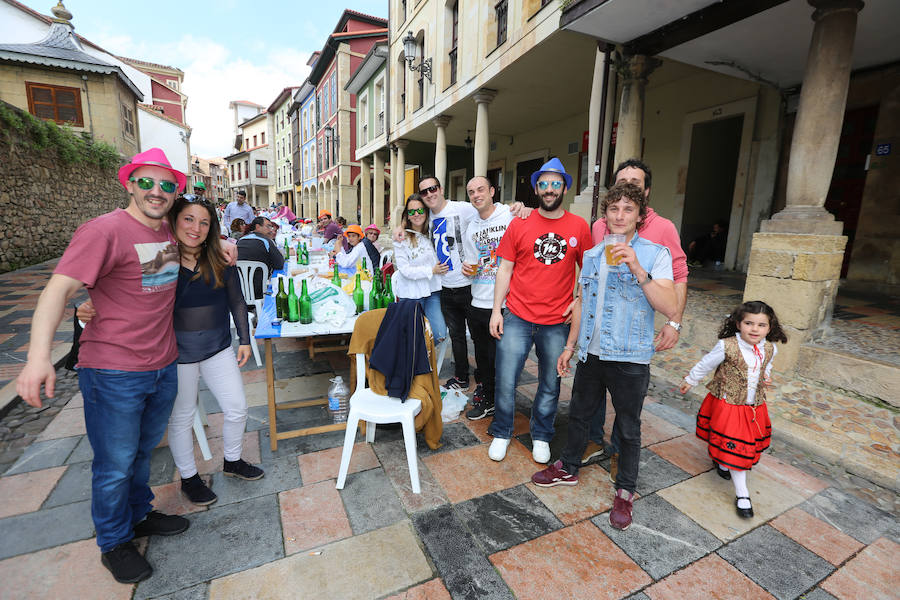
[{"x": 147, "y": 183}]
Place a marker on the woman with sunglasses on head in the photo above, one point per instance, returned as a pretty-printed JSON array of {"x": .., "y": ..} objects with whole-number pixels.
[
  {"x": 208, "y": 291},
  {"x": 416, "y": 267}
]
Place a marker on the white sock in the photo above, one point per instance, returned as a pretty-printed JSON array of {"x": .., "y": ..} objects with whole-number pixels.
[
  {"x": 721, "y": 468},
  {"x": 739, "y": 479}
]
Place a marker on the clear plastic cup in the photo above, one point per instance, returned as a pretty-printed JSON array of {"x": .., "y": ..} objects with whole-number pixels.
[{"x": 610, "y": 239}]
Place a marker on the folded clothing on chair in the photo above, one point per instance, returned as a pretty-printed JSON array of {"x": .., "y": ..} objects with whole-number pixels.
[{"x": 399, "y": 352}]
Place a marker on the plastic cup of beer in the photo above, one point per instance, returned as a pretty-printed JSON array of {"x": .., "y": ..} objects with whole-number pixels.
[
  {"x": 611, "y": 239},
  {"x": 469, "y": 269}
]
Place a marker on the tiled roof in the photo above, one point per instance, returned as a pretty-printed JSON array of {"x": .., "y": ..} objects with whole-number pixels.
[
  {"x": 149, "y": 64},
  {"x": 62, "y": 48},
  {"x": 360, "y": 33}
]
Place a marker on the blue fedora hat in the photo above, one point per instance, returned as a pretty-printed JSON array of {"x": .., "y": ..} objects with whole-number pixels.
[{"x": 552, "y": 166}]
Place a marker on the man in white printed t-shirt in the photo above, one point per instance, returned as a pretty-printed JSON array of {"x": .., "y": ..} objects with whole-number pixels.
[{"x": 480, "y": 242}]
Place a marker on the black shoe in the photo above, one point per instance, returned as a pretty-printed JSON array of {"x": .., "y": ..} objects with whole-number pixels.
[
  {"x": 455, "y": 383},
  {"x": 197, "y": 491},
  {"x": 480, "y": 410},
  {"x": 745, "y": 513},
  {"x": 126, "y": 564},
  {"x": 726, "y": 474},
  {"x": 242, "y": 470},
  {"x": 157, "y": 523},
  {"x": 478, "y": 396}
]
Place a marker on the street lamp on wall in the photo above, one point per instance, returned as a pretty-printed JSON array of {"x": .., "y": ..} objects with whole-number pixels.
[
  {"x": 411, "y": 53},
  {"x": 468, "y": 140}
]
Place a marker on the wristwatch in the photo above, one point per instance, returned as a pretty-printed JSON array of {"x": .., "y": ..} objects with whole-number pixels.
[
  {"x": 674, "y": 325},
  {"x": 646, "y": 281}
]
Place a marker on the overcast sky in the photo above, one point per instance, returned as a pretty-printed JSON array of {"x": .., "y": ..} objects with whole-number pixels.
[{"x": 228, "y": 49}]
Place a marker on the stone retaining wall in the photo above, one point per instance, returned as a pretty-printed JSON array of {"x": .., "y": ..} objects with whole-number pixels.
[{"x": 43, "y": 200}]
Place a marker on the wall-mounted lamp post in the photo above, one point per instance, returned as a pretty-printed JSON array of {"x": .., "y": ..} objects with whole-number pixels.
[{"x": 411, "y": 53}]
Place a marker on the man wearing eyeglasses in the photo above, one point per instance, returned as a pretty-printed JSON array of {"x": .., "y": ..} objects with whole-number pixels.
[
  {"x": 238, "y": 209},
  {"x": 536, "y": 278},
  {"x": 128, "y": 260},
  {"x": 449, "y": 220}
]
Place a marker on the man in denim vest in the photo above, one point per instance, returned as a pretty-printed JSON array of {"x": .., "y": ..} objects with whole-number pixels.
[{"x": 613, "y": 326}]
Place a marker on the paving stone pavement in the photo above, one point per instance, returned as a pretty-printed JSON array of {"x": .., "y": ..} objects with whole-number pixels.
[{"x": 478, "y": 530}]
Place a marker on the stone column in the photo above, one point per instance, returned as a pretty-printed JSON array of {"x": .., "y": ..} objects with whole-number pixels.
[
  {"x": 820, "y": 117},
  {"x": 365, "y": 191},
  {"x": 440, "y": 148},
  {"x": 393, "y": 194},
  {"x": 635, "y": 72},
  {"x": 378, "y": 187},
  {"x": 795, "y": 261},
  {"x": 483, "y": 98},
  {"x": 401, "y": 170},
  {"x": 581, "y": 206}
]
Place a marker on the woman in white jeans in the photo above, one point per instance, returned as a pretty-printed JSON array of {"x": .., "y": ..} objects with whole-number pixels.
[{"x": 207, "y": 291}]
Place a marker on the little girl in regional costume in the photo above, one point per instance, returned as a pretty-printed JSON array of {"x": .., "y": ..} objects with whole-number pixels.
[{"x": 733, "y": 418}]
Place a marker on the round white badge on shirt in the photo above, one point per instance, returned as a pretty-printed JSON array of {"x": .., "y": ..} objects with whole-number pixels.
[{"x": 573, "y": 242}]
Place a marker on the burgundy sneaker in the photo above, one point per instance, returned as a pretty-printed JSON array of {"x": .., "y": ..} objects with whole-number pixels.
[
  {"x": 554, "y": 475},
  {"x": 620, "y": 515}
]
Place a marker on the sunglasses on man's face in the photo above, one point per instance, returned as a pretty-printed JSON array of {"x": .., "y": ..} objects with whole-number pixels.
[
  {"x": 415, "y": 211},
  {"x": 430, "y": 190},
  {"x": 147, "y": 183},
  {"x": 543, "y": 185}
]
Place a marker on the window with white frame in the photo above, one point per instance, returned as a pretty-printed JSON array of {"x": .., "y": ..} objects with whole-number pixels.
[
  {"x": 362, "y": 119},
  {"x": 379, "y": 105}
]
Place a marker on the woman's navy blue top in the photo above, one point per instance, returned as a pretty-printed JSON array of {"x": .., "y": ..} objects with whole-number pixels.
[{"x": 202, "y": 328}]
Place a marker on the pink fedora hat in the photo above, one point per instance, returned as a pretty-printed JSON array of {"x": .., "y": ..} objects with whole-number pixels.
[{"x": 154, "y": 157}]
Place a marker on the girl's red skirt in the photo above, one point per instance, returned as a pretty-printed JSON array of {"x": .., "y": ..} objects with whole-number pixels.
[{"x": 737, "y": 434}]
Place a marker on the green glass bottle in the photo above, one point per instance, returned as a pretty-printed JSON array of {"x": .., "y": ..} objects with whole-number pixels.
[
  {"x": 287, "y": 249},
  {"x": 359, "y": 297},
  {"x": 305, "y": 305},
  {"x": 374, "y": 298},
  {"x": 293, "y": 306},
  {"x": 305, "y": 254},
  {"x": 364, "y": 263},
  {"x": 389, "y": 293},
  {"x": 336, "y": 278},
  {"x": 281, "y": 300}
]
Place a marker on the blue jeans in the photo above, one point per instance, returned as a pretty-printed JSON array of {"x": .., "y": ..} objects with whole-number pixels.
[
  {"x": 512, "y": 351},
  {"x": 432, "y": 307},
  {"x": 126, "y": 414}
]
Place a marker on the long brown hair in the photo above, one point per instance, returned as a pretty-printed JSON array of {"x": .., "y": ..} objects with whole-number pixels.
[
  {"x": 210, "y": 264},
  {"x": 407, "y": 224}
]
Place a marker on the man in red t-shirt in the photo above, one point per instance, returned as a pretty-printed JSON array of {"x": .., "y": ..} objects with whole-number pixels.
[
  {"x": 129, "y": 262},
  {"x": 535, "y": 277}
]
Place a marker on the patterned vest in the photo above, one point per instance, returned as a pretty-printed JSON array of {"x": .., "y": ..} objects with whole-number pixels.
[{"x": 730, "y": 379}]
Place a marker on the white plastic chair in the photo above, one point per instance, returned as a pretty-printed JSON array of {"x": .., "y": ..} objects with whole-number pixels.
[
  {"x": 386, "y": 257},
  {"x": 199, "y": 422},
  {"x": 374, "y": 408},
  {"x": 247, "y": 270}
]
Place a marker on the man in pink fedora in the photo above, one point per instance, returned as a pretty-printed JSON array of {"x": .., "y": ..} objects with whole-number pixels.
[{"x": 128, "y": 260}]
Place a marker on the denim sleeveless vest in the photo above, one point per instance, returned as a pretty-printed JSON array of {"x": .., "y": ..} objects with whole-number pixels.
[{"x": 627, "y": 325}]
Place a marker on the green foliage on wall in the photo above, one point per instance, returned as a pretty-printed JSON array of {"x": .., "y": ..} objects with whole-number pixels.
[{"x": 71, "y": 147}]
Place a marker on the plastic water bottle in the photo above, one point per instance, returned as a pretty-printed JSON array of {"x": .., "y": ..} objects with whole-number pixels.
[{"x": 338, "y": 400}]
